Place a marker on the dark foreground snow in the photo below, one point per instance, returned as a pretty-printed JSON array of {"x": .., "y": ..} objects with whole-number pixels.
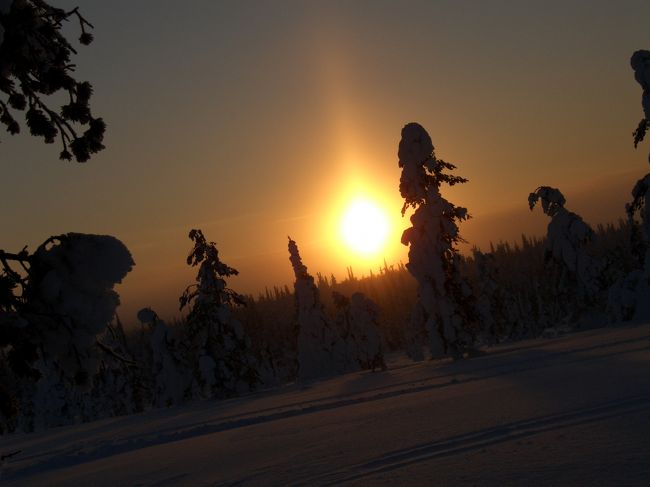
[{"x": 573, "y": 410}]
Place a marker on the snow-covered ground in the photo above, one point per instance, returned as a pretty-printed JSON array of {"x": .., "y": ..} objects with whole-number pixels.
[{"x": 573, "y": 410}]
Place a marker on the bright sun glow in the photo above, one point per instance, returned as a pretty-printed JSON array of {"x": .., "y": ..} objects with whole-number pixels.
[{"x": 364, "y": 227}]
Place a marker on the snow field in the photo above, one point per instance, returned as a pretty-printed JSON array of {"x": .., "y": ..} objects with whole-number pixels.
[{"x": 573, "y": 410}]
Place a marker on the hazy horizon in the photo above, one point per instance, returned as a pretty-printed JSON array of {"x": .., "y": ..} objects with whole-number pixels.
[{"x": 595, "y": 202}]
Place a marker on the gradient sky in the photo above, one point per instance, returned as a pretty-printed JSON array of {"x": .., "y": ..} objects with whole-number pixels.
[{"x": 258, "y": 120}]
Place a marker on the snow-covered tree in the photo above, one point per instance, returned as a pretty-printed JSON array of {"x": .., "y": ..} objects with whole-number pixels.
[
  {"x": 639, "y": 208},
  {"x": 629, "y": 297},
  {"x": 218, "y": 347},
  {"x": 35, "y": 63},
  {"x": 495, "y": 304},
  {"x": 358, "y": 325},
  {"x": 567, "y": 239},
  {"x": 52, "y": 313},
  {"x": 270, "y": 322},
  {"x": 118, "y": 387},
  {"x": 321, "y": 351},
  {"x": 10, "y": 394},
  {"x": 640, "y": 62},
  {"x": 445, "y": 311},
  {"x": 638, "y": 213},
  {"x": 170, "y": 379},
  {"x": 640, "y": 205}
]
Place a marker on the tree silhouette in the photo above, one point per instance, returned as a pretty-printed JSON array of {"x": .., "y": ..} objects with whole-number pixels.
[
  {"x": 321, "y": 351},
  {"x": 567, "y": 239},
  {"x": 217, "y": 338},
  {"x": 59, "y": 299},
  {"x": 35, "y": 63},
  {"x": 628, "y": 296},
  {"x": 445, "y": 310}
]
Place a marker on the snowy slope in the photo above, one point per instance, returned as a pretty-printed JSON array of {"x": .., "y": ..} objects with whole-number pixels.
[{"x": 573, "y": 410}]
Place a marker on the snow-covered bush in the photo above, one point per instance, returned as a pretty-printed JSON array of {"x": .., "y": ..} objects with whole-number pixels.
[
  {"x": 321, "y": 351},
  {"x": 270, "y": 322},
  {"x": 217, "y": 346},
  {"x": 567, "y": 240},
  {"x": 35, "y": 62},
  {"x": 445, "y": 310},
  {"x": 516, "y": 290},
  {"x": 119, "y": 387},
  {"x": 358, "y": 325},
  {"x": 170, "y": 379},
  {"x": 496, "y": 305},
  {"x": 626, "y": 295}
]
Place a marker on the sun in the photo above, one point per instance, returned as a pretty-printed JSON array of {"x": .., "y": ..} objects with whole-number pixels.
[{"x": 364, "y": 227}]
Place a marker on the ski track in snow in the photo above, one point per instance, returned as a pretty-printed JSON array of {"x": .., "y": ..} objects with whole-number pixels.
[
  {"x": 480, "y": 439},
  {"x": 504, "y": 361}
]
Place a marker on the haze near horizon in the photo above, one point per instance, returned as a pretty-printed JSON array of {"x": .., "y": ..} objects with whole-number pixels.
[{"x": 253, "y": 122}]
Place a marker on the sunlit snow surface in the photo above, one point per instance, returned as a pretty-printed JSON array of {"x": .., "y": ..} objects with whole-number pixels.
[{"x": 572, "y": 410}]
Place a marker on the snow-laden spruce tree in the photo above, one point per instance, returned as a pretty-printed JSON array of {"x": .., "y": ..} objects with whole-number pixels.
[
  {"x": 321, "y": 351},
  {"x": 636, "y": 304},
  {"x": 640, "y": 62},
  {"x": 629, "y": 297},
  {"x": 219, "y": 351},
  {"x": 357, "y": 321},
  {"x": 640, "y": 205},
  {"x": 444, "y": 314},
  {"x": 52, "y": 312},
  {"x": 567, "y": 240},
  {"x": 35, "y": 63},
  {"x": 171, "y": 380},
  {"x": 638, "y": 212}
]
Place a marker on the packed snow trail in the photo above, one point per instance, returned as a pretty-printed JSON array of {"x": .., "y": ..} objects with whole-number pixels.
[{"x": 573, "y": 410}]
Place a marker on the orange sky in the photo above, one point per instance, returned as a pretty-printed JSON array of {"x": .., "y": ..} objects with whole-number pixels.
[{"x": 253, "y": 122}]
